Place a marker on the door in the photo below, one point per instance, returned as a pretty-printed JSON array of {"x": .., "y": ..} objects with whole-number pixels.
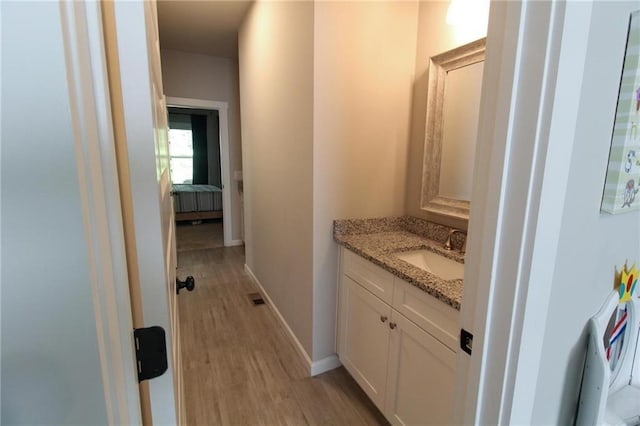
[
  {"x": 364, "y": 338},
  {"x": 140, "y": 126},
  {"x": 65, "y": 302},
  {"x": 164, "y": 186},
  {"x": 420, "y": 376}
]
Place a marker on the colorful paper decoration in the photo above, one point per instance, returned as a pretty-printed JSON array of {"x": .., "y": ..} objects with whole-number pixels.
[
  {"x": 628, "y": 282},
  {"x": 626, "y": 287}
]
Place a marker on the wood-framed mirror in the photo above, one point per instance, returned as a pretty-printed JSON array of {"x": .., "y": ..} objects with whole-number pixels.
[{"x": 453, "y": 104}]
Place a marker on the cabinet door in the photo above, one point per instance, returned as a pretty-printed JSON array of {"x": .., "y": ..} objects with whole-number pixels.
[
  {"x": 420, "y": 378},
  {"x": 364, "y": 336}
]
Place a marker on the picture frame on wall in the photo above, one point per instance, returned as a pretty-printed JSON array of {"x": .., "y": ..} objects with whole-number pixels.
[{"x": 622, "y": 183}]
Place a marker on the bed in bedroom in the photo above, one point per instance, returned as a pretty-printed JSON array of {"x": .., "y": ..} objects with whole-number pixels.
[{"x": 197, "y": 202}]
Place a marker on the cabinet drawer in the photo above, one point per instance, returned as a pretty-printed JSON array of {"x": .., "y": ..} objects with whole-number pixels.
[
  {"x": 432, "y": 315},
  {"x": 370, "y": 276}
]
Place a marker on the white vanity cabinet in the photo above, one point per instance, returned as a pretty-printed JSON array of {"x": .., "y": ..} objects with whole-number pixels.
[
  {"x": 365, "y": 334},
  {"x": 420, "y": 376},
  {"x": 400, "y": 349}
]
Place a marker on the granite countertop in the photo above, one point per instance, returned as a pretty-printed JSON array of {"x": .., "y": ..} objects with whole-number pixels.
[{"x": 378, "y": 239}]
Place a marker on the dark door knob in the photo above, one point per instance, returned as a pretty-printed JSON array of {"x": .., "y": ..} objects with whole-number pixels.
[{"x": 189, "y": 284}]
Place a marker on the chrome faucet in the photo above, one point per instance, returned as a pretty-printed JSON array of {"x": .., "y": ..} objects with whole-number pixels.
[{"x": 449, "y": 246}]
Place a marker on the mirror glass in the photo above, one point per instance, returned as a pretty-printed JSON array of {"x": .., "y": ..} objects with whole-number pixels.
[
  {"x": 453, "y": 105},
  {"x": 460, "y": 124}
]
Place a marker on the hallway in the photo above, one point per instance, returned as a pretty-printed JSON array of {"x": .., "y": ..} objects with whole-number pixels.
[{"x": 239, "y": 365}]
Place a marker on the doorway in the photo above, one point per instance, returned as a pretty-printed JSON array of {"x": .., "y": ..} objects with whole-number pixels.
[{"x": 216, "y": 175}]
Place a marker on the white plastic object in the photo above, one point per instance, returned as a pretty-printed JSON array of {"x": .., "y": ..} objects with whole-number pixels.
[{"x": 610, "y": 393}]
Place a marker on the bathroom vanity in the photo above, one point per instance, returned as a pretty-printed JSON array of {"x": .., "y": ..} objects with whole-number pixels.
[
  {"x": 399, "y": 297},
  {"x": 400, "y": 279}
]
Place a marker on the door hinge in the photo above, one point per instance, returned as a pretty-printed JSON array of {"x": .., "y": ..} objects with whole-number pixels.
[
  {"x": 466, "y": 341},
  {"x": 151, "y": 352}
]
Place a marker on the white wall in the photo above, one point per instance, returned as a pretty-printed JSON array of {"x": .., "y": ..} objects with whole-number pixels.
[
  {"x": 190, "y": 75},
  {"x": 591, "y": 245},
  {"x": 435, "y": 36},
  {"x": 50, "y": 368},
  {"x": 276, "y": 81},
  {"x": 364, "y": 65}
]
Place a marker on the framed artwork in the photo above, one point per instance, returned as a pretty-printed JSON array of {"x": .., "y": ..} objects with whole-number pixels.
[{"x": 622, "y": 182}]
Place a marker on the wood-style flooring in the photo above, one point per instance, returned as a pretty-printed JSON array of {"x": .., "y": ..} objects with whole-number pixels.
[
  {"x": 204, "y": 235},
  {"x": 239, "y": 365}
]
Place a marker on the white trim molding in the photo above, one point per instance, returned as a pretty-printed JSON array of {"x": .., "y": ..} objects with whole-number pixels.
[
  {"x": 296, "y": 343},
  {"x": 234, "y": 243},
  {"x": 325, "y": 364},
  {"x": 225, "y": 161}
]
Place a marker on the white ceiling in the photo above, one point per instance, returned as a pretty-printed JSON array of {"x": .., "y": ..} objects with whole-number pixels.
[{"x": 207, "y": 26}]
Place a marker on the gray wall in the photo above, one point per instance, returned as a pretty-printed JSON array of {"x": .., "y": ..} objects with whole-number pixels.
[
  {"x": 50, "y": 366},
  {"x": 591, "y": 245}
]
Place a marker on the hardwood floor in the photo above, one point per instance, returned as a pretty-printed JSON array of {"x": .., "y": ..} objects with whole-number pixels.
[
  {"x": 207, "y": 234},
  {"x": 240, "y": 367}
]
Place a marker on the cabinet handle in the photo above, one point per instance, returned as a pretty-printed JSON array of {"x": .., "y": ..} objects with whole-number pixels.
[
  {"x": 383, "y": 318},
  {"x": 392, "y": 325}
]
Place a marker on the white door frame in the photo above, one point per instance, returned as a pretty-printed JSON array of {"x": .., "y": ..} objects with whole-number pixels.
[
  {"x": 535, "y": 56},
  {"x": 225, "y": 162}
]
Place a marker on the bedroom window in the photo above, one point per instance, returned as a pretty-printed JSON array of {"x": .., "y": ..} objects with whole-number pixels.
[
  {"x": 181, "y": 155},
  {"x": 188, "y": 146}
]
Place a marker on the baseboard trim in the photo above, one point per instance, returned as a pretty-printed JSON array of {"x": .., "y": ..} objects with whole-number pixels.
[
  {"x": 233, "y": 243},
  {"x": 325, "y": 364},
  {"x": 296, "y": 343}
]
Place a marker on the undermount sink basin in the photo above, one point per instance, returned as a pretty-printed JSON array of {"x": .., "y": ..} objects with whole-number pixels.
[{"x": 433, "y": 263}]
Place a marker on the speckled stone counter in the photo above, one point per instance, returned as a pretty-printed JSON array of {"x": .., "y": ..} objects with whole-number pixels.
[{"x": 378, "y": 239}]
